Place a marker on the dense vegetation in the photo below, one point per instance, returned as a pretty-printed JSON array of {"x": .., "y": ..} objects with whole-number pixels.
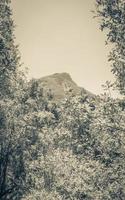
[{"x": 72, "y": 149}]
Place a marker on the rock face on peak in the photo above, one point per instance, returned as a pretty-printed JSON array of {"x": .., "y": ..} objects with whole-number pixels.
[{"x": 60, "y": 85}]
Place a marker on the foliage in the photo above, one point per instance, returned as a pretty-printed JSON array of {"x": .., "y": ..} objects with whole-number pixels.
[
  {"x": 16, "y": 135},
  {"x": 73, "y": 149},
  {"x": 9, "y": 55},
  {"x": 109, "y": 119},
  {"x": 80, "y": 164},
  {"x": 109, "y": 128},
  {"x": 111, "y": 14}
]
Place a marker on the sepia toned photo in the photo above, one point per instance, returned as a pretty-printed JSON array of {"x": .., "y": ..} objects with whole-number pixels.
[{"x": 62, "y": 100}]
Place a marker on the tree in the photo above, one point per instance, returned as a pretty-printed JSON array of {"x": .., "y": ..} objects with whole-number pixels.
[
  {"x": 9, "y": 62},
  {"x": 9, "y": 55},
  {"x": 108, "y": 128},
  {"x": 66, "y": 153},
  {"x": 109, "y": 117},
  {"x": 111, "y": 14},
  {"x": 16, "y": 135}
]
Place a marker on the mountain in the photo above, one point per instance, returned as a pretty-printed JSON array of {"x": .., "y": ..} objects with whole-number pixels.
[{"x": 61, "y": 85}]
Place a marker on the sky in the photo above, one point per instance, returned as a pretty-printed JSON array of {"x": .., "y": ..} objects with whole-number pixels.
[{"x": 62, "y": 36}]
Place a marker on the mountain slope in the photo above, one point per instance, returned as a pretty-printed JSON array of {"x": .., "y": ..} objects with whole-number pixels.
[{"x": 61, "y": 85}]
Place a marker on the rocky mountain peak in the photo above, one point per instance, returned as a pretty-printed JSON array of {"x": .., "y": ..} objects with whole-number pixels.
[{"x": 60, "y": 85}]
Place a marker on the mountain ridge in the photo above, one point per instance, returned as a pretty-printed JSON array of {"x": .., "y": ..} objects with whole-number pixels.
[{"x": 61, "y": 85}]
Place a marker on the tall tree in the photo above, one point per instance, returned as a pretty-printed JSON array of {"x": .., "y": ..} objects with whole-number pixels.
[
  {"x": 15, "y": 137},
  {"x": 109, "y": 117},
  {"x": 9, "y": 55},
  {"x": 11, "y": 156}
]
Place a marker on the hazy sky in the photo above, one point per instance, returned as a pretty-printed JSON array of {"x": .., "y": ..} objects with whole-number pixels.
[{"x": 62, "y": 36}]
